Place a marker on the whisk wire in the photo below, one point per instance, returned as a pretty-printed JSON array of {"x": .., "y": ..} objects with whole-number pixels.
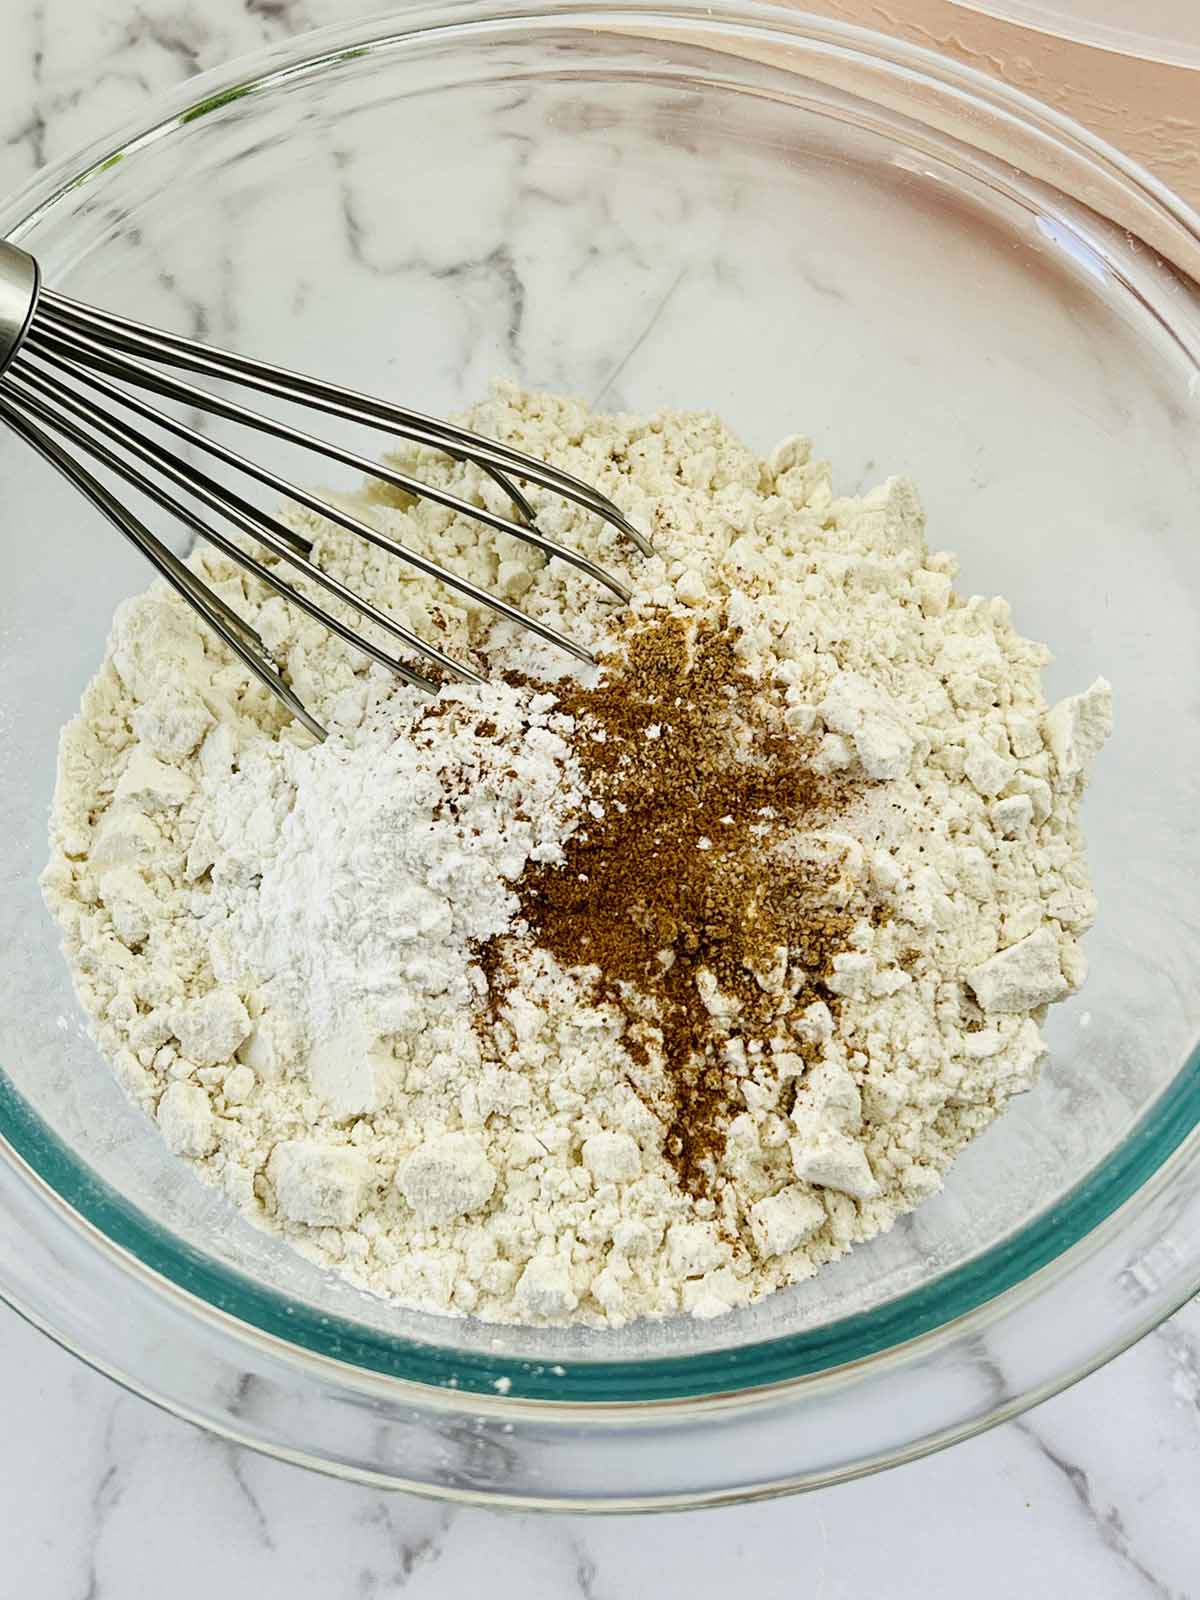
[
  {"x": 325, "y": 508},
  {"x": 49, "y": 345},
  {"x": 72, "y": 381},
  {"x": 219, "y": 617},
  {"x": 137, "y": 337},
  {"x": 259, "y": 525},
  {"x": 336, "y": 400}
]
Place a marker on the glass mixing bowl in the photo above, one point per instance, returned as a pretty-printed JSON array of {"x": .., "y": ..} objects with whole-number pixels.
[{"x": 803, "y": 227}]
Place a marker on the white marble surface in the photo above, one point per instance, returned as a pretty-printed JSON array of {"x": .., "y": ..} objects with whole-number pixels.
[{"x": 101, "y": 1496}]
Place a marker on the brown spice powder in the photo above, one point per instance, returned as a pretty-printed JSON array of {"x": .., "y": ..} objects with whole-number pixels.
[{"x": 681, "y": 885}]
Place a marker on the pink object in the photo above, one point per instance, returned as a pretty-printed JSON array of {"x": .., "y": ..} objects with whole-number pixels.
[{"x": 1146, "y": 103}]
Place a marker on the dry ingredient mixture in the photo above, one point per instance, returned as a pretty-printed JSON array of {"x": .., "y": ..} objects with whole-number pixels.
[{"x": 586, "y": 995}]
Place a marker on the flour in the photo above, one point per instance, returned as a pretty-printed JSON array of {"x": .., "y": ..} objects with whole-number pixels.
[{"x": 279, "y": 943}]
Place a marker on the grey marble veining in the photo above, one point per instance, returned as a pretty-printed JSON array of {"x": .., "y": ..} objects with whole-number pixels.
[{"x": 1093, "y": 1493}]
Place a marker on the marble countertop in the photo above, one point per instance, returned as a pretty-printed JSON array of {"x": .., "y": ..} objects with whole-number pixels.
[
  {"x": 1094, "y": 1493},
  {"x": 102, "y": 1496}
]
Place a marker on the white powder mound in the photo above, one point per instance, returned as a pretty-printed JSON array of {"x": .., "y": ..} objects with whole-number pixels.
[
  {"x": 350, "y": 896},
  {"x": 277, "y": 942}
]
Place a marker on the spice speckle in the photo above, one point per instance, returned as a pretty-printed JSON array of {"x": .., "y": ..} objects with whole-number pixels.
[{"x": 680, "y": 935}]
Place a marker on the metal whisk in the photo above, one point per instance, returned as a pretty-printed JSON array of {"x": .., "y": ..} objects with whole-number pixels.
[{"x": 57, "y": 358}]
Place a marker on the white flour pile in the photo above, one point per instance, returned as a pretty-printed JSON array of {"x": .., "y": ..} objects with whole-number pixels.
[{"x": 281, "y": 945}]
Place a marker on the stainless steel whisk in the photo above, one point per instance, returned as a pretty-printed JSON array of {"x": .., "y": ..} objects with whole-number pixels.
[{"x": 57, "y": 357}]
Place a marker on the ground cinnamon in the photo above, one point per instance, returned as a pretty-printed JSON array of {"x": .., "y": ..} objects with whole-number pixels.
[{"x": 679, "y": 896}]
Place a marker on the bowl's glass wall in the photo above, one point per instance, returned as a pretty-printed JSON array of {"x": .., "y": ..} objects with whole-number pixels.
[{"x": 588, "y": 212}]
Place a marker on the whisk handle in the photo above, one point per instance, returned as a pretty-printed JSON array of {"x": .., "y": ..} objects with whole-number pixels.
[{"x": 20, "y": 281}]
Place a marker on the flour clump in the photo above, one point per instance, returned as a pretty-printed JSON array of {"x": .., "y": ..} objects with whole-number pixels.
[{"x": 586, "y": 994}]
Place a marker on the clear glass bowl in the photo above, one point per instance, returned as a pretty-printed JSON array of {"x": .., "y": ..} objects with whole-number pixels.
[{"x": 804, "y": 227}]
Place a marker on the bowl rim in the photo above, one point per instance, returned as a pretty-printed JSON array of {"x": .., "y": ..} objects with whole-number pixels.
[{"x": 1164, "y": 1138}]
